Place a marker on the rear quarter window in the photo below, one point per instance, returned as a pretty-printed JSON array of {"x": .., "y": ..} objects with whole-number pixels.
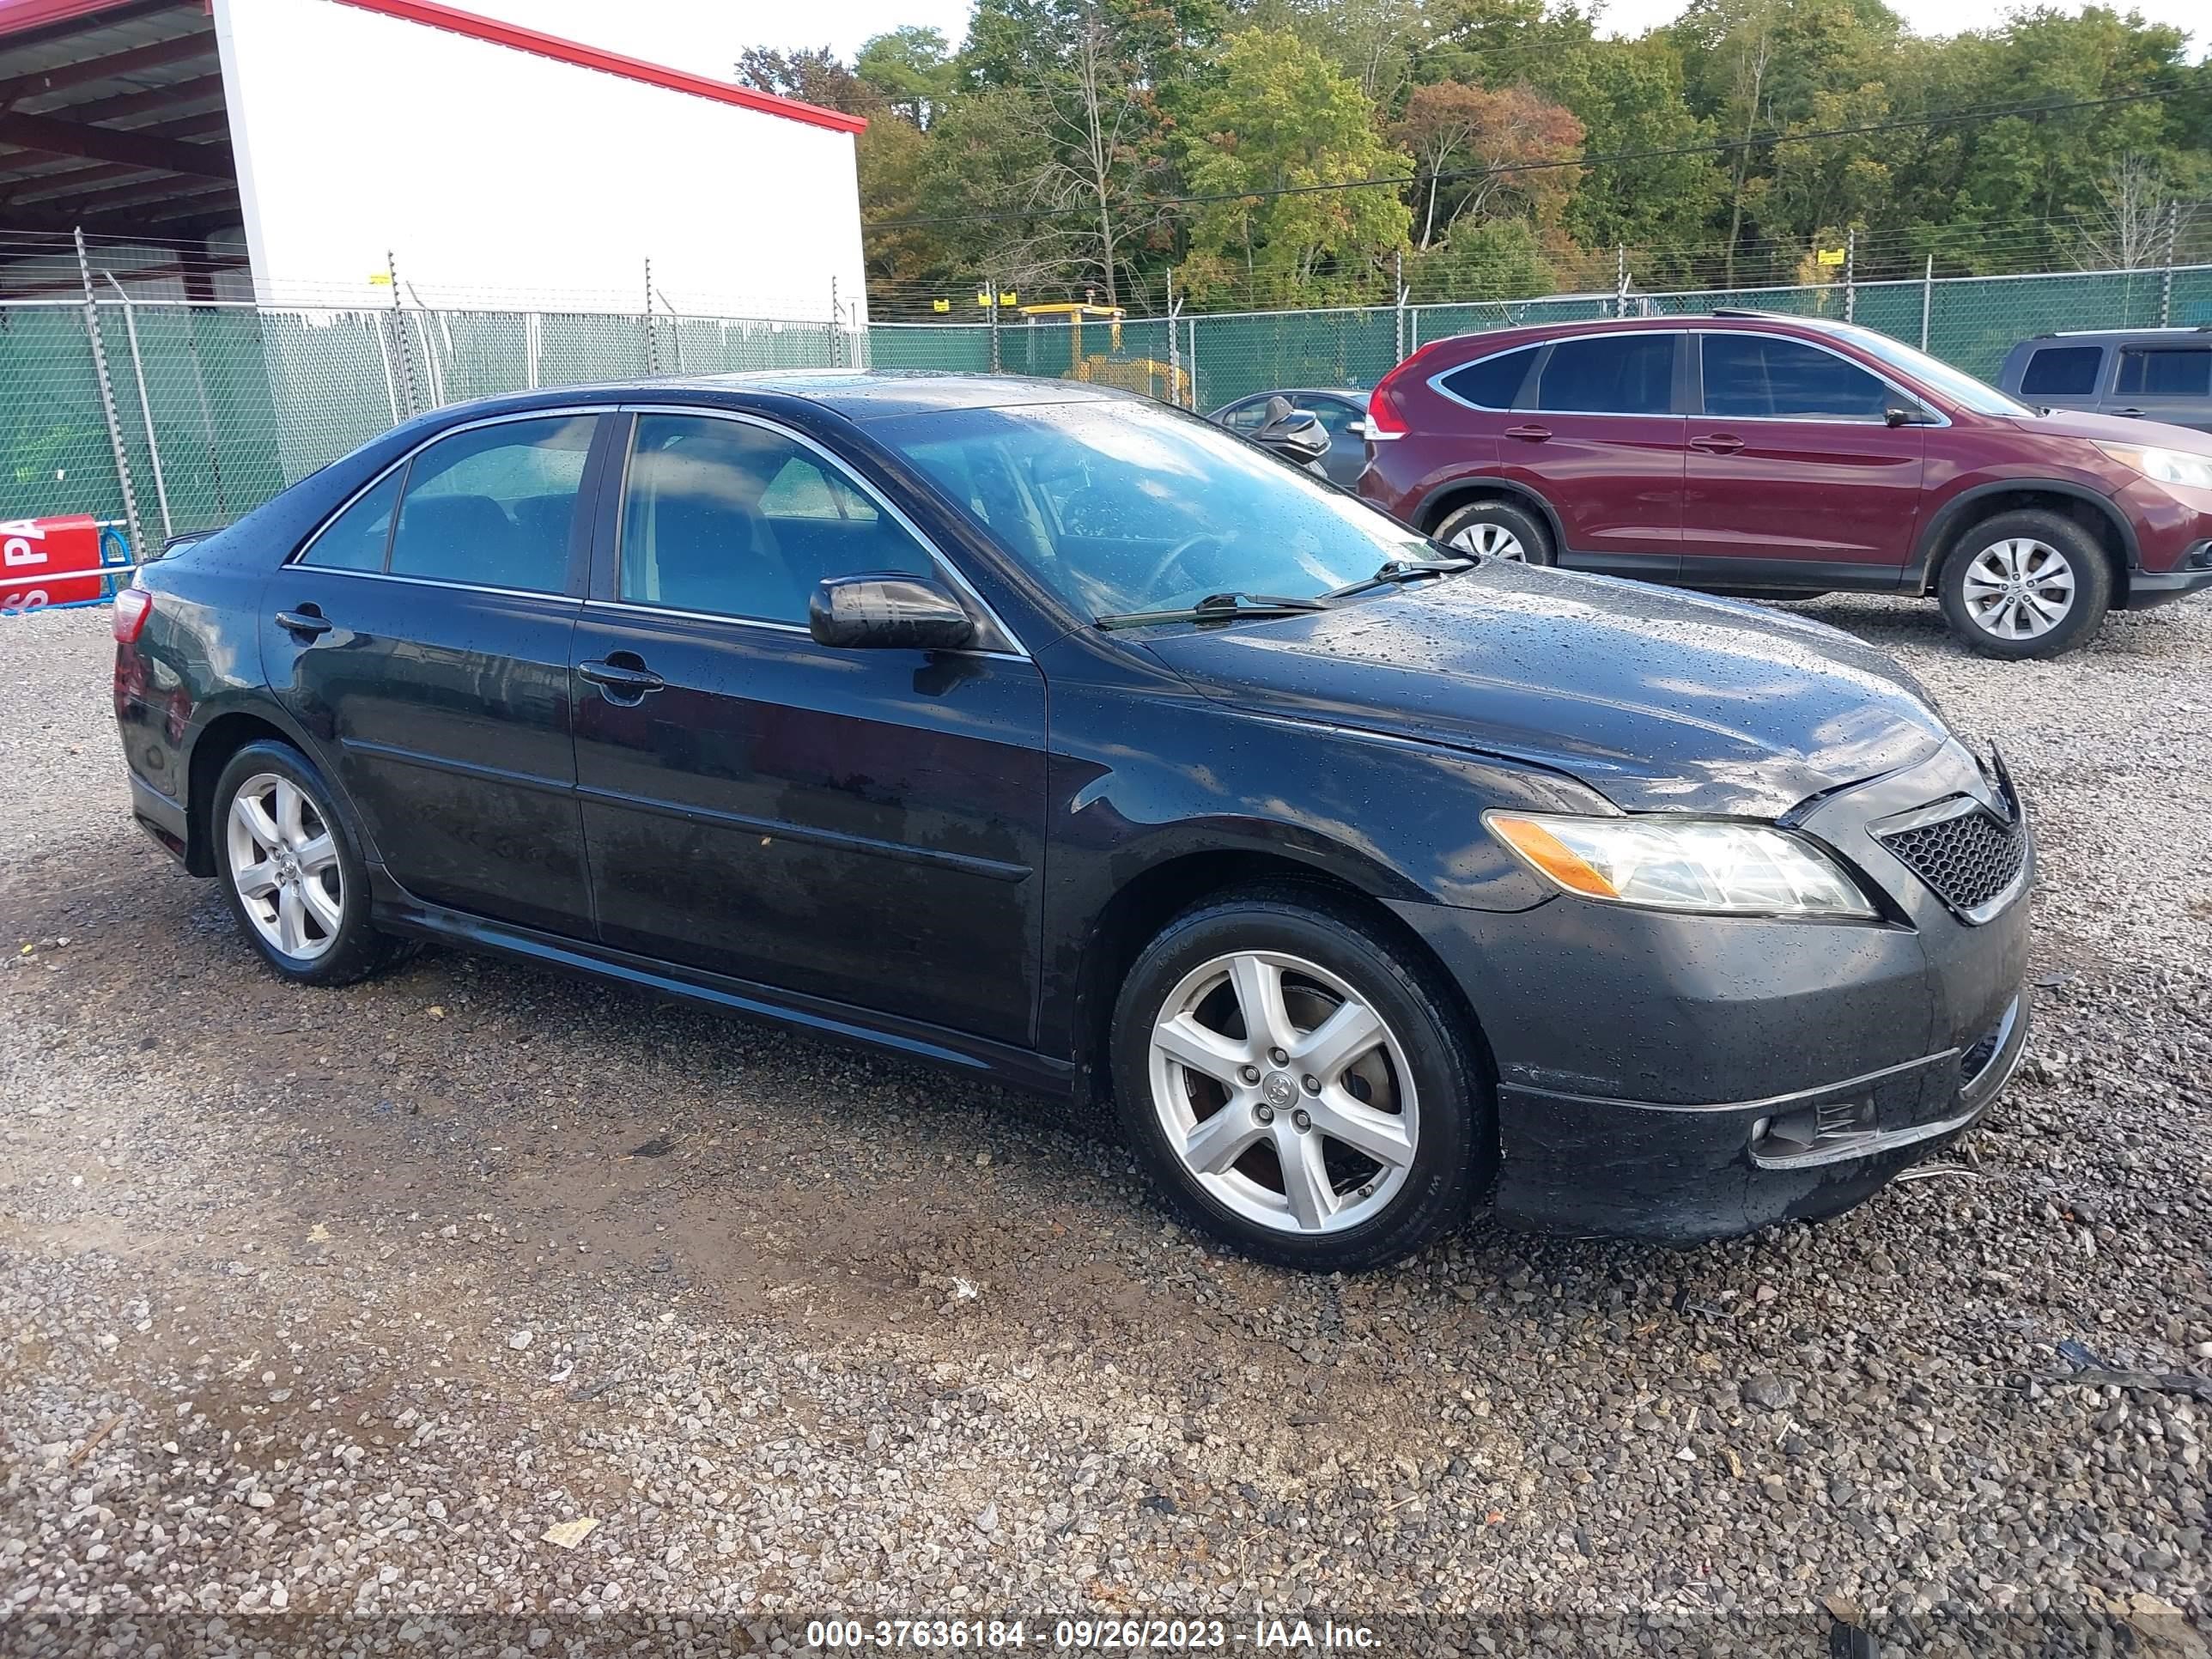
[
  {"x": 1492, "y": 382},
  {"x": 2062, "y": 372}
]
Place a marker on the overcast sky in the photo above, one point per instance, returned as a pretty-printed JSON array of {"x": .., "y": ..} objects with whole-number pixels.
[{"x": 845, "y": 23}]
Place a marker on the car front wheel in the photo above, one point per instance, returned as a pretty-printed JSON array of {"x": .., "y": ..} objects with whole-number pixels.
[
  {"x": 2026, "y": 584},
  {"x": 1298, "y": 1085},
  {"x": 291, "y": 871}
]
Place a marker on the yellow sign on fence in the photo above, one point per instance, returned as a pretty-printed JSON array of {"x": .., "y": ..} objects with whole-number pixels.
[{"x": 1829, "y": 255}]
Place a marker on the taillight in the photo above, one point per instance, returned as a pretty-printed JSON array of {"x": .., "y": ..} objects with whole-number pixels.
[
  {"x": 1385, "y": 418},
  {"x": 132, "y": 606}
]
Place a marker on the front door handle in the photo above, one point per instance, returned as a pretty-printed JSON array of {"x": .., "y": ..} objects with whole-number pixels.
[
  {"x": 1533, "y": 434},
  {"x": 1718, "y": 444},
  {"x": 2132, "y": 414},
  {"x": 621, "y": 680},
  {"x": 307, "y": 622}
]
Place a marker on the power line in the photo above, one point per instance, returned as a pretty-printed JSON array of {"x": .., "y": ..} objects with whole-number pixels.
[{"x": 1719, "y": 146}]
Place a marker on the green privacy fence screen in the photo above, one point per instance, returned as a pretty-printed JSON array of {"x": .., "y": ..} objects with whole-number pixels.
[{"x": 217, "y": 408}]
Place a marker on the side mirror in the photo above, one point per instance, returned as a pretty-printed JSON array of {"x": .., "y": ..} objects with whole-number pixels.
[
  {"x": 1356, "y": 428},
  {"x": 1896, "y": 414},
  {"x": 1297, "y": 433},
  {"x": 887, "y": 611}
]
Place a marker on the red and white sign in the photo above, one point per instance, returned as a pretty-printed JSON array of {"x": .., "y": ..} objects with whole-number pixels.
[{"x": 47, "y": 562}]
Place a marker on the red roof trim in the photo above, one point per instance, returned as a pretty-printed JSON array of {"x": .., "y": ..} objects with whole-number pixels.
[
  {"x": 19, "y": 16},
  {"x": 541, "y": 45}
]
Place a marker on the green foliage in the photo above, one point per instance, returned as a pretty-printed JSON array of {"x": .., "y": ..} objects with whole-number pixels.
[
  {"x": 1058, "y": 148},
  {"x": 1282, "y": 121}
]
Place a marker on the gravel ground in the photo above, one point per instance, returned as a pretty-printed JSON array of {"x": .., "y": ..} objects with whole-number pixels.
[{"x": 322, "y": 1304}]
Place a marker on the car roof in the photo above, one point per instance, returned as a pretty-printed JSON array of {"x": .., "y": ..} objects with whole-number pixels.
[
  {"x": 859, "y": 395},
  {"x": 1535, "y": 332},
  {"x": 2201, "y": 331}
]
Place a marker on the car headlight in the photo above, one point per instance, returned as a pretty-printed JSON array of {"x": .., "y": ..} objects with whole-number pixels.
[
  {"x": 2172, "y": 466},
  {"x": 1705, "y": 864}
]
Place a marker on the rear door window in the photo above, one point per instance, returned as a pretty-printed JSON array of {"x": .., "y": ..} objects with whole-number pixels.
[
  {"x": 1611, "y": 374},
  {"x": 494, "y": 506},
  {"x": 2165, "y": 372},
  {"x": 1765, "y": 377},
  {"x": 2062, "y": 372},
  {"x": 354, "y": 540},
  {"x": 1495, "y": 382}
]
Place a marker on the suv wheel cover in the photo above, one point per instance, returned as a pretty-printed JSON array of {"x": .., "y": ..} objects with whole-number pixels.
[
  {"x": 2019, "y": 588},
  {"x": 1492, "y": 540}
]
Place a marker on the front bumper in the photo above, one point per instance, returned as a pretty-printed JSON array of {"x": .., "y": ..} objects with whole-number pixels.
[
  {"x": 2148, "y": 589},
  {"x": 1684, "y": 1078}
]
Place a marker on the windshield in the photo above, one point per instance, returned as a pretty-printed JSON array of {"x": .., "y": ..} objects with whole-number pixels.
[
  {"x": 1122, "y": 507},
  {"x": 1939, "y": 376}
]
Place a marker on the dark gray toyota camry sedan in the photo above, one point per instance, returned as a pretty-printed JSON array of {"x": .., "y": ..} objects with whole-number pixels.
[{"x": 1074, "y": 744}]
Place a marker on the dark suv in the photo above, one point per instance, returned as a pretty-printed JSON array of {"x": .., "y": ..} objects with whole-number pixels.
[
  {"x": 1782, "y": 457},
  {"x": 2144, "y": 374}
]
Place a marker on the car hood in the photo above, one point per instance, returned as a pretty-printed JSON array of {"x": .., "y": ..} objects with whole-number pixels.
[
  {"x": 1660, "y": 700},
  {"x": 2120, "y": 429}
]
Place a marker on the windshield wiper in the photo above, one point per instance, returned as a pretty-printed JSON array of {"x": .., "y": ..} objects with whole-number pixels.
[
  {"x": 1218, "y": 607},
  {"x": 1401, "y": 570}
]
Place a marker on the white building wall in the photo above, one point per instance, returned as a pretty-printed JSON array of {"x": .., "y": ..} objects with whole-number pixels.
[{"x": 501, "y": 179}]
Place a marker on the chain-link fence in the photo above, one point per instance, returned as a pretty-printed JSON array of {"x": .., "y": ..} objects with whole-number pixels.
[{"x": 215, "y": 408}]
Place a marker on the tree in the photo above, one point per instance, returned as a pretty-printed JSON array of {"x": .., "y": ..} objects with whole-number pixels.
[
  {"x": 2136, "y": 218},
  {"x": 1631, "y": 99},
  {"x": 1282, "y": 122},
  {"x": 816, "y": 76},
  {"x": 1478, "y": 152},
  {"x": 1098, "y": 71},
  {"x": 911, "y": 69}
]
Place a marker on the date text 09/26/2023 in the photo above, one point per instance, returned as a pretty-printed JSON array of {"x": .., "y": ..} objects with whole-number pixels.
[{"x": 1093, "y": 1635}]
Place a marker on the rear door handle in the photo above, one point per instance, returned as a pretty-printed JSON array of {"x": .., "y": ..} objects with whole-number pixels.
[
  {"x": 1718, "y": 444},
  {"x": 625, "y": 682},
  {"x": 1534, "y": 434},
  {"x": 2132, "y": 414},
  {"x": 307, "y": 622}
]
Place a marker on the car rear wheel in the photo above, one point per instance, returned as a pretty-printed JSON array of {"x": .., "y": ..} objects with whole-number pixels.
[
  {"x": 1496, "y": 530},
  {"x": 291, "y": 870},
  {"x": 1296, "y": 1085},
  {"x": 2026, "y": 584}
]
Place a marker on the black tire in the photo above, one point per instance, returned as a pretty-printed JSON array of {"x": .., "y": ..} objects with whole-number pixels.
[
  {"x": 2085, "y": 557},
  {"x": 353, "y": 948},
  {"x": 1526, "y": 526},
  {"x": 1454, "y": 1150}
]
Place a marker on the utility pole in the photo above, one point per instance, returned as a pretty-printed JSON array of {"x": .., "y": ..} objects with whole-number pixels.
[
  {"x": 399, "y": 340},
  {"x": 1620, "y": 279},
  {"x": 1850, "y": 268},
  {"x": 1175, "y": 345},
  {"x": 1398, "y": 305},
  {"x": 991, "y": 292},
  {"x": 107, "y": 405},
  {"x": 2166, "y": 283}
]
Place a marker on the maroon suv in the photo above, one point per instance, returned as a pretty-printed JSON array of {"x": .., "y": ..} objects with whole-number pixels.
[{"x": 1780, "y": 456}]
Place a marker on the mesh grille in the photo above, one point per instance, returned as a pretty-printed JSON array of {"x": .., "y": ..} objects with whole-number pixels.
[{"x": 1968, "y": 860}]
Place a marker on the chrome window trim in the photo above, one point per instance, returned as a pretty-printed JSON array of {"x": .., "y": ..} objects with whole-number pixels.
[
  {"x": 1436, "y": 381},
  {"x": 1688, "y": 334},
  {"x": 762, "y": 623},
  {"x": 745, "y": 417},
  {"x": 508, "y": 417},
  {"x": 560, "y": 596},
  {"x": 1701, "y": 334}
]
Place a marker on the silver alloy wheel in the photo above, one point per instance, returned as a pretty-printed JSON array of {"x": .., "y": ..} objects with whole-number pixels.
[
  {"x": 1494, "y": 540},
  {"x": 284, "y": 864},
  {"x": 1285, "y": 1095},
  {"x": 2019, "y": 588}
]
